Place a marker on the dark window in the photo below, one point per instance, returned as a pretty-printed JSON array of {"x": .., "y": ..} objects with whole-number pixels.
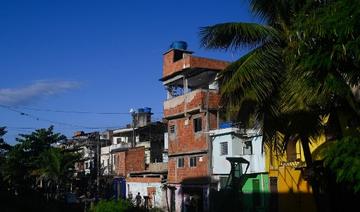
[
  {"x": 192, "y": 161},
  {"x": 180, "y": 162},
  {"x": 197, "y": 125},
  {"x": 178, "y": 55},
  {"x": 223, "y": 148},
  {"x": 247, "y": 150},
  {"x": 172, "y": 129}
]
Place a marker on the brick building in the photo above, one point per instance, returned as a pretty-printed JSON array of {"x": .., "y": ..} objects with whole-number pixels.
[
  {"x": 127, "y": 160},
  {"x": 191, "y": 109}
]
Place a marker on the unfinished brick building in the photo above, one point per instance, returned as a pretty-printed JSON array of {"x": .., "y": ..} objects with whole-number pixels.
[{"x": 191, "y": 109}]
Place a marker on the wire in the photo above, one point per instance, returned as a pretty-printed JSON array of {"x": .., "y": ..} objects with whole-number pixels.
[
  {"x": 70, "y": 111},
  {"x": 53, "y": 122}
]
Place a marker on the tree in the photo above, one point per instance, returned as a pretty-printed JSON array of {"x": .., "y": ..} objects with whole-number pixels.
[
  {"x": 34, "y": 163},
  {"x": 325, "y": 55},
  {"x": 4, "y": 148},
  {"x": 303, "y": 65},
  {"x": 262, "y": 78},
  {"x": 343, "y": 158}
]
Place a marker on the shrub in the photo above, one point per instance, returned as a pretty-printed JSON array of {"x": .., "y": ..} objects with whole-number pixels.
[{"x": 111, "y": 206}]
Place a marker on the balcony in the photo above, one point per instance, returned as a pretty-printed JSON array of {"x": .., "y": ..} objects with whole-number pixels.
[{"x": 196, "y": 100}]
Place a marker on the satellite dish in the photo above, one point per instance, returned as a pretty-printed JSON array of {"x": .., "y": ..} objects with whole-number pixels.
[{"x": 132, "y": 110}]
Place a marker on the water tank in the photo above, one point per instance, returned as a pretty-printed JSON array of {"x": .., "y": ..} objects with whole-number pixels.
[
  {"x": 181, "y": 45},
  {"x": 140, "y": 110},
  {"x": 225, "y": 125},
  {"x": 147, "y": 110}
]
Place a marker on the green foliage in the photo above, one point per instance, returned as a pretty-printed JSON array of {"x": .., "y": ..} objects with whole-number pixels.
[
  {"x": 325, "y": 50},
  {"x": 111, "y": 206},
  {"x": 34, "y": 160},
  {"x": 343, "y": 158}
]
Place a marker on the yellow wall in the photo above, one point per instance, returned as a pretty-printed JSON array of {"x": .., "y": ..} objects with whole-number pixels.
[{"x": 294, "y": 192}]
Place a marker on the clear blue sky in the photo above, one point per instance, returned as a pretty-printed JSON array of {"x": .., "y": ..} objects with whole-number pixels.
[{"x": 97, "y": 56}]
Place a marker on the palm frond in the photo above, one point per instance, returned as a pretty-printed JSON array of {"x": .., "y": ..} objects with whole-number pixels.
[
  {"x": 236, "y": 35},
  {"x": 258, "y": 72}
]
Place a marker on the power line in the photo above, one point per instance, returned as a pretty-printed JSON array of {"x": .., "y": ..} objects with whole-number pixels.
[
  {"x": 53, "y": 122},
  {"x": 70, "y": 111}
]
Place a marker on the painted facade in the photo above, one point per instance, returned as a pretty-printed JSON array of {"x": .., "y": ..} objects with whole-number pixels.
[
  {"x": 247, "y": 144},
  {"x": 288, "y": 182}
]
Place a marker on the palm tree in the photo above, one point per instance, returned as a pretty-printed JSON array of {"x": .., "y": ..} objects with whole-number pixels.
[
  {"x": 302, "y": 65},
  {"x": 56, "y": 169},
  {"x": 262, "y": 77}
]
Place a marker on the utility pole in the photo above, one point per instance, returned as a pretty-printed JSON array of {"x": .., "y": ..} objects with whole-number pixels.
[{"x": 133, "y": 113}]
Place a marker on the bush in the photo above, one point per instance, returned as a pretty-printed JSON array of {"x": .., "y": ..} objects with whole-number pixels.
[{"x": 111, "y": 206}]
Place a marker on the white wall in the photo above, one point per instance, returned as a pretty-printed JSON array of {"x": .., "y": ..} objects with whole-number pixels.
[
  {"x": 105, "y": 160},
  {"x": 235, "y": 149},
  {"x": 159, "y": 199}
]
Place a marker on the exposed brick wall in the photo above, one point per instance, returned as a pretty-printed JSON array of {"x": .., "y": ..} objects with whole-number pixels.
[
  {"x": 121, "y": 160},
  {"x": 185, "y": 139},
  {"x": 189, "y": 61},
  {"x": 193, "y": 100},
  {"x": 135, "y": 159},
  {"x": 187, "y": 173},
  {"x": 213, "y": 120},
  {"x": 131, "y": 160}
]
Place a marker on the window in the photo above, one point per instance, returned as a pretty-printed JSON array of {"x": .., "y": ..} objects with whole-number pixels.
[
  {"x": 247, "y": 149},
  {"x": 172, "y": 129},
  {"x": 192, "y": 161},
  {"x": 180, "y": 162},
  {"x": 197, "y": 125},
  {"x": 86, "y": 165},
  {"x": 223, "y": 148}
]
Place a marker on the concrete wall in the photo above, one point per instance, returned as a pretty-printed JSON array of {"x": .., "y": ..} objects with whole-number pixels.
[
  {"x": 235, "y": 149},
  {"x": 147, "y": 188},
  {"x": 105, "y": 160}
]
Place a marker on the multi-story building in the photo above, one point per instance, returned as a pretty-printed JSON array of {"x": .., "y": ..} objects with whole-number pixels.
[
  {"x": 191, "y": 109},
  {"x": 236, "y": 145},
  {"x": 86, "y": 144}
]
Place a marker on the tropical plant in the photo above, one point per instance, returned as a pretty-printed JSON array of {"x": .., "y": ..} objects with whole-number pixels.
[
  {"x": 302, "y": 64},
  {"x": 262, "y": 78},
  {"x": 111, "y": 206},
  {"x": 343, "y": 158},
  {"x": 34, "y": 163}
]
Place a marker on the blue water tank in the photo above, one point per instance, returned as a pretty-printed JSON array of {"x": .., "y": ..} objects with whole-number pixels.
[
  {"x": 140, "y": 110},
  {"x": 147, "y": 110},
  {"x": 224, "y": 125},
  {"x": 182, "y": 45}
]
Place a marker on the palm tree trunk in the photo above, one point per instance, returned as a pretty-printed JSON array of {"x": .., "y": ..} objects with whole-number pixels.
[
  {"x": 305, "y": 142},
  {"x": 307, "y": 153}
]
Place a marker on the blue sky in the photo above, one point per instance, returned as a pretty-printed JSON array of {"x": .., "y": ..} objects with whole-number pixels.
[{"x": 96, "y": 56}]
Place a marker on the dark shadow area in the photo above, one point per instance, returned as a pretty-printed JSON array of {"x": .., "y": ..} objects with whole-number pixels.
[
  {"x": 35, "y": 202},
  {"x": 334, "y": 198}
]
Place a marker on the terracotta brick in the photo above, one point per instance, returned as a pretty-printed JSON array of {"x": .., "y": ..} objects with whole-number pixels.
[
  {"x": 189, "y": 61},
  {"x": 130, "y": 160},
  {"x": 179, "y": 175}
]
